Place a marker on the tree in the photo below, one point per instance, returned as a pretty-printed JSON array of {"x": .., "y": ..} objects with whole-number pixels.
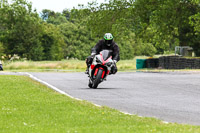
[
  {"x": 77, "y": 39},
  {"x": 21, "y": 29},
  {"x": 46, "y": 14},
  {"x": 67, "y": 14},
  {"x": 1, "y": 50},
  {"x": 52, "y": 42},
  {"x": 114, "y": 17},
  {"x": 195, "y": 22},
  {"x": 169, "y": 20},
  {"x": 23, "y": 32}
]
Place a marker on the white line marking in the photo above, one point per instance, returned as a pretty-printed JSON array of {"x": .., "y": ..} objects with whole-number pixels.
[
  {"x": 51, "y": 86},
  {"x": 165, "y": 122},
  {"x": 54, "y": 88}
]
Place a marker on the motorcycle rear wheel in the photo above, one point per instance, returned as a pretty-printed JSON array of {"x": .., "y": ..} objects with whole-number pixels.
[
  {"x": 90, "y": 84},
  {"x": 98, "y": 79}
]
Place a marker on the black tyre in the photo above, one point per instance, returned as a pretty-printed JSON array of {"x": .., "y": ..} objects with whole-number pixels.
[
  {"x": 98, "y": 79},
  {"x": 90, "y": 84}
]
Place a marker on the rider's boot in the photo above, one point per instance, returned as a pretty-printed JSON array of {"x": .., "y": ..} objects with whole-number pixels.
[{"x": 87, "y": 70}]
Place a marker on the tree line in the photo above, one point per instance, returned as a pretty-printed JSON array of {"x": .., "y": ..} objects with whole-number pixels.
[{"x": 140, "y": 27}]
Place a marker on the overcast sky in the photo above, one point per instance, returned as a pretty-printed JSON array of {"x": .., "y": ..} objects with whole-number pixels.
[{"x": 59, "y": 5}]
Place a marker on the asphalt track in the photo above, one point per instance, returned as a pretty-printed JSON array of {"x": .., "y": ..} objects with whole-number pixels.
[{"x": 171, "y": 97}]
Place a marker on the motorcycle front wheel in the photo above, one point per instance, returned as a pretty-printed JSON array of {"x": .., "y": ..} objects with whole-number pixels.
[{"x": 97, "y": 79}]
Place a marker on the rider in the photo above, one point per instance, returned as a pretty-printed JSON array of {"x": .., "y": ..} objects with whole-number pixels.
[{"x": 105, "y": 44}]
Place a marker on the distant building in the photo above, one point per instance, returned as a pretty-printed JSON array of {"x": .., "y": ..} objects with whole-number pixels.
[{"x": 184, "y": 51}]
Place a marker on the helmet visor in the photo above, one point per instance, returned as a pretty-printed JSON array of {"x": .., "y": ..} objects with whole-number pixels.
[{"x": 108, "y": 42}]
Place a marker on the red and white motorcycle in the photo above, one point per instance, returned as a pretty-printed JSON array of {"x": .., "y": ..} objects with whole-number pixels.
[{"x": 100, "y": 68}]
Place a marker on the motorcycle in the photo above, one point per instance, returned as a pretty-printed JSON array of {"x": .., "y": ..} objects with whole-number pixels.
[{"x": 100, "y": 68}]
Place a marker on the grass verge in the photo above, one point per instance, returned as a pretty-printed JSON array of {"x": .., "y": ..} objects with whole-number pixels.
[
  {"x": 78, "y": 66},
  {"x": 28, "y": 106},
  {"x": 65, "y": 65}
]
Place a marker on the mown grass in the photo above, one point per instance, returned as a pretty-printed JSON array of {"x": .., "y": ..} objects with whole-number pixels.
[
  {"x": 75, "y": 66},
  {"x": 65, "y": 65},
  {"x": 27, "y": 106}
]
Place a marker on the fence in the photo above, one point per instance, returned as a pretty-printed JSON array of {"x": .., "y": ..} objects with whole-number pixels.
[{"x": 173, "y": 62}]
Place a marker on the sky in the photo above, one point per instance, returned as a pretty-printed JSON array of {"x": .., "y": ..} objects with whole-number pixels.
[{"x": 58, "y": 5}]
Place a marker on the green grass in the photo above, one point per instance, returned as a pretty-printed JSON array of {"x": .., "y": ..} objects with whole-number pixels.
[
  {"x": 65, "y": 65},
  {"x": 74, "y": 66},
  {"x": 27, "y": 106}
]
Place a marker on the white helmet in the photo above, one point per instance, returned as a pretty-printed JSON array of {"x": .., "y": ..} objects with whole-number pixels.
[{"x": 108, "y": 39}]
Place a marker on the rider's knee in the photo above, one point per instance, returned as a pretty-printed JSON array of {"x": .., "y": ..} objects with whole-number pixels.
[
  {"x": 89, "y": 60},
  {"x": 114, "y": 70}
]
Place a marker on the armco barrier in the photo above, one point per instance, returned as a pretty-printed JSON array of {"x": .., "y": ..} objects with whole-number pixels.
[
  {"x": 173, "y": 62},
  {"x": 152, "y": 63}
]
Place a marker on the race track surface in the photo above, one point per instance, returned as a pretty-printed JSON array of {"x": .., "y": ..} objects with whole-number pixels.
[{"x": 172, "y": 97}]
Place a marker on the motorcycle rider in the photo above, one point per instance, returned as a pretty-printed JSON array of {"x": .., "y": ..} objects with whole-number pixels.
[{"x": 106, "y": 43}]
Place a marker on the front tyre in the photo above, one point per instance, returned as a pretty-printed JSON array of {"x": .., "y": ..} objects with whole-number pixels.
[{"x": 98, "y": 79}]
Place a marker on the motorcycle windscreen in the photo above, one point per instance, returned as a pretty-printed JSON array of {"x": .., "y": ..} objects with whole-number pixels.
[{"x": 106, "y": 54}]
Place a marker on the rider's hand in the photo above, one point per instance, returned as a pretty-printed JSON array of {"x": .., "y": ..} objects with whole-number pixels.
[
  {"x": 114, "y": 61},
  {"x": 93, "y": 53}
]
